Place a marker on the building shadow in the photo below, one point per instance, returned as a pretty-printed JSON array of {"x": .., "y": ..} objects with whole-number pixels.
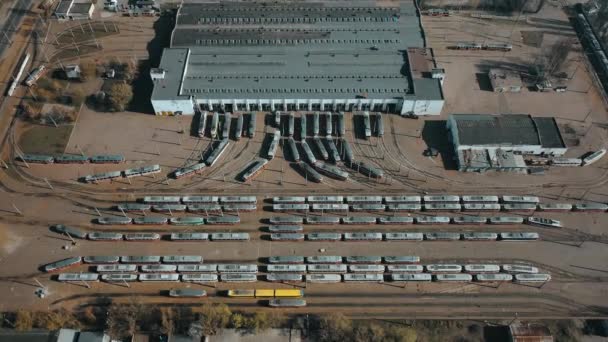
[
  {"x": 496, "y": 333},
  {"x": 436, "y": 135},
  {"x": 483, "y": 80},
  {"x": 142, "y": 84}
]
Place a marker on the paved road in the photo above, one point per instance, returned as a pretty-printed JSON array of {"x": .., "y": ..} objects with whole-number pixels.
[{"x": 11, "y": 18}]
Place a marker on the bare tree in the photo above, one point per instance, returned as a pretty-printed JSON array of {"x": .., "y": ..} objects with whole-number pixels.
[
  {"x": 167, "y": 320},
  {"x": 213, "y": 318},
  {"x": 601, "y": 20},
  {"x": 557, "y": 55},
  {"x": 24, "y": 320},
  {"x": 335, "y": 328},
  {"x": 125, "y": 319}
]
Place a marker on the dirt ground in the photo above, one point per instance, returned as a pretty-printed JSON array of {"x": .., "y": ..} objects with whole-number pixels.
[{"x": 146, "y": 140}]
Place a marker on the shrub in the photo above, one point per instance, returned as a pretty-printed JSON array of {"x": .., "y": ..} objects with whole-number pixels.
[
  {"x": 24, "y": 320},
  {"x": 212, "y": 318},
  {"x": 119, "y": 96},
  {"x": 55, "y": 320},
  {"x": 88, "y": 71}
]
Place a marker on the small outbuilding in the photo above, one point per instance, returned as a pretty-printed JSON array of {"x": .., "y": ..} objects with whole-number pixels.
[
  {"x": 72, "y": 72},
  {"x": 529, "y": 332},
  {"x": 74, "y": 10},
  {"x": 505, "y": 81}
]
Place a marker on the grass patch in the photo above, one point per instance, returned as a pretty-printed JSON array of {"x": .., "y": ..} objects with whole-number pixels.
[{"x": 45, "y": 139}]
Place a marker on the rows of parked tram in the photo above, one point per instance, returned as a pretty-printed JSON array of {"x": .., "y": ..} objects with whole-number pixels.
[
  {"x": 437, "y": 203},
  {"x": 319, "y": 269},
  {"x": 294, "y": 233},
  {"x": 72, "y": 159}
]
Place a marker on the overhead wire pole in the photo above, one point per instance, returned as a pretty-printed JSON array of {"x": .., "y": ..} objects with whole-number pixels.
[
  {"x": 80, "y": 150},
  {"x": 17, "y": 210},
  {"x": 21, "y": 157},
  {"x": 39, "y": 284},
  {"x": 46, "y": 180},
  {"x": 71, "y": 238}
]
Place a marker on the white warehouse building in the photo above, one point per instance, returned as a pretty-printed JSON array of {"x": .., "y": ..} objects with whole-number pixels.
[{"x": 334, "y": 55}]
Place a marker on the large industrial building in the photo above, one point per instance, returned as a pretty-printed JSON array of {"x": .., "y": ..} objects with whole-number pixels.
[
  {"x": 497, "y": 142},
  {"x": 326, "y": 55}
]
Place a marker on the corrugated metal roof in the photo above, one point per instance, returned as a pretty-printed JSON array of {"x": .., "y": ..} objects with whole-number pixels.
[
  {"x": 333, "y": 50},
  {"x": 549, "y": 133},
  {"x": 480, "y": 129},
  {"x": 530, "y": 333}
]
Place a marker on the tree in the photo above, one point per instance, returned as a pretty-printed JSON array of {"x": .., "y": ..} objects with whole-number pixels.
[
  {"x": 24, "y": 320},
  {"x": 119, "y": 96},
  {"x": 369, "y": 332},
  {"x": 28, "y": 111},
  {"x": 128, "y": 70},
  {"x": 88, "y": 71},
  {"x": 334, "y": 328},
  {"x": 89, "y": 316},
  {"x": 556, "y": 55},
  {"x": 78, "y": 97},
  {"x": 55, "y": 320},
  {"x": 237, "y": 321},
  {"x": 212, "y": 318},
  {"x": 403, "y": 334},
  {"x": 167, "y": 319},
  {"x": 259, "y": 321},
  {"x": 122, "y": 320},
  {"x": 601, "y": 20}
]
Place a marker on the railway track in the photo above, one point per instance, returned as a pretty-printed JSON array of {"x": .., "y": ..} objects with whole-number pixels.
[{"x": 403, "y": 305}]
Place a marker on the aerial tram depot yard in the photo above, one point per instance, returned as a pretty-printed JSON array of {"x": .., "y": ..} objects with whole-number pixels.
[
  {"x": 290, "y": 189},
  {"x": 206, "y": 245},
  {"x": 351, "y": 224}
]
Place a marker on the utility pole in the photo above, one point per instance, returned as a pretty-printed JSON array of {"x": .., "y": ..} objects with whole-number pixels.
[
  {"x": 21, "y": 157},
  {"x": 48, "y": 183},
  {"x": 34, "y": 96},
  {"x": 10, "y": 42},
  {"x": 71, "y": 238},
  {"x": 40, "y": 284},
  {"x": 80, "y": 150},
  {"x": 53, "y": 120}
]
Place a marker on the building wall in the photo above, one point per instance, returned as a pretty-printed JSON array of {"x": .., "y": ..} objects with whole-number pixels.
[
  {"x": 419, "y": 107},
  {"x": 523, "y": 149},
  {"x": 422, "y": 107},
  {"x": 186, "y": 106},
  {"x": 304, "y": 104}
]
